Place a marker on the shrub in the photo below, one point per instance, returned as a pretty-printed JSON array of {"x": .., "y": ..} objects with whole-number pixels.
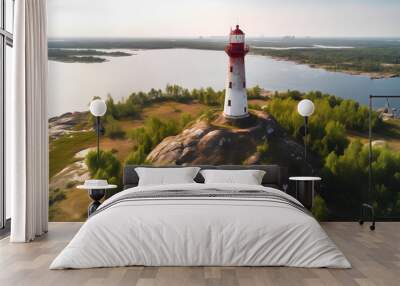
[
  {"x": 153, "y": 131},
  {"x": 184, "y": 120},
  {"x": 107, "y": 168},
  {"x": 112, "y": 128},
  {"x": 254, "y": 92},
  {"x": 208, "y": 114},
  {"x": 151, "y": 134},
  {"x": 255, "y": 107},
  {"x": 114, "y": 131},
  {"x": 319, "y": 209},
  {"x": 111, "y": 107},
  {"x": 71, "y": 184},
  {"x": 263, "y": 148},
  {"x": 136, "y": 157},
  {"x": 56, "y": 195}
]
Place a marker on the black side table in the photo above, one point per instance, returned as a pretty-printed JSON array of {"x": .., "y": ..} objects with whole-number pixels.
[
  {"x": 305, "y": 188},
  {"x": 96, "y": 193}
]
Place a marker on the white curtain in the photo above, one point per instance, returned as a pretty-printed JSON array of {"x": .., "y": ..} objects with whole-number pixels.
[{"x": 28, "y": 148}]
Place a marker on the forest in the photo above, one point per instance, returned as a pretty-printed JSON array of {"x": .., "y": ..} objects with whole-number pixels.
[
  {"x": 343, "y": 163},
  {"x": 365, "y": 59}
]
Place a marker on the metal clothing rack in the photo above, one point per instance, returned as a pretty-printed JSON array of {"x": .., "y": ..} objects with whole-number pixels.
[{"x": 365, "y": 207}]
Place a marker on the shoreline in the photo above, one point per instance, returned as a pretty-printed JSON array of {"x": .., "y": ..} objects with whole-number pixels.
[{"x": 371, "y": 75}]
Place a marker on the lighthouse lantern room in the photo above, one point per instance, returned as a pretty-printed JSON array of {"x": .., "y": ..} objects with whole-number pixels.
[{"x": 235, "y": 93}]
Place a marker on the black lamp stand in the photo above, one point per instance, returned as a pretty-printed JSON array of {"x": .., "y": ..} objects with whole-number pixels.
[
  {"x": 98, "y": 138},
  {"x": 305, "y": 138},
  {"x": 96, "y": 194},
  {"x": 368, "y": 207}
]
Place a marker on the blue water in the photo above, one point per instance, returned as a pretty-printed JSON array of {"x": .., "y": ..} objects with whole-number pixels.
[
  {"x": 73, "y": 85},
  {"x": 284, "y": 75}
]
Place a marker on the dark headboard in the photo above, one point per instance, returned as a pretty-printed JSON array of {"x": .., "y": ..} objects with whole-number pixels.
[{"x": 275, "y": 175}]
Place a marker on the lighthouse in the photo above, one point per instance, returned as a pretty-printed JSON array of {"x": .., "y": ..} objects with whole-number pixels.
[{"x": 235, "y": 92}]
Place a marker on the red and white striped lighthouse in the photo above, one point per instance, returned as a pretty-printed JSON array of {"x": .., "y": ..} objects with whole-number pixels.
[{"x": 235, "y": 92}]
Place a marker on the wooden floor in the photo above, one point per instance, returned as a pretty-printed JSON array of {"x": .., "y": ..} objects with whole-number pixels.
[{"x": 375, "y": 257}]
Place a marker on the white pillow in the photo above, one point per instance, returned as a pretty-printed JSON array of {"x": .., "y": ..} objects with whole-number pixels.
[
  {"x": 166, "y": 176},
  {"x": 247, "y": 177}
]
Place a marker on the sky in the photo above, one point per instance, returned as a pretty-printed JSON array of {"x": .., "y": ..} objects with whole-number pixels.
[{"x": 190, "y": 18}]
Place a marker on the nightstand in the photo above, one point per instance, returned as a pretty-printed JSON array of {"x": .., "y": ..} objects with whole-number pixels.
[
  {"x": 96, "y": 193},
  {"x": 305, "y": 188}
]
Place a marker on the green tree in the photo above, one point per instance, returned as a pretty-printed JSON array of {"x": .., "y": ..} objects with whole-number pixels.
[
  {"x": 107, "y": 167},
  {"x": 254, "y": 92},
  {"x": 335, "y": 138},
  {"x": 136, "y": 157},
  {"x": 111, "y": 107},
  {"x": 347, "y": 179}
]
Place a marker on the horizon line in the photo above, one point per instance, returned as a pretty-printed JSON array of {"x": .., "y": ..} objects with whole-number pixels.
[{"x": 225, "y": 36}]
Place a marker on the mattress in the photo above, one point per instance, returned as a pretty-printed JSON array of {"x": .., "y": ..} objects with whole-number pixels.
[{"x": 201, "y": 225}]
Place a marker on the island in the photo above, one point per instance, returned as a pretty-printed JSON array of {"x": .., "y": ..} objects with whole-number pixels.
[{"x": 82, "y": 55}]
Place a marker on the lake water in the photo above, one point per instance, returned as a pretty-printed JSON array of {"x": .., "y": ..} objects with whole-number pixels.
[{"x": 73, "y": 85}]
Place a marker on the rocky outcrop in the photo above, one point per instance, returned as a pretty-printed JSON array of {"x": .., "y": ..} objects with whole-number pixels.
[
  {"x": 220, "y": 142},
  {"x": 66, "y": 124},
  {"x": 77, "y": 172}
]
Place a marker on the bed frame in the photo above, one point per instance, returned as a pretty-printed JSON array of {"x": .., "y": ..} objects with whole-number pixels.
[{"x": 275, "y": 176}]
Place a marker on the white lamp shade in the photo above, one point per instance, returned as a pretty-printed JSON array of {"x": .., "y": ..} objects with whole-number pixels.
[
  {"x": 305, "y": 108},
  {"x": 98, "y": 107}
]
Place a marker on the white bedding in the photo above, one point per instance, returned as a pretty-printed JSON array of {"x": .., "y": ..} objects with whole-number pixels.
[{"x": 200, "y": 231}]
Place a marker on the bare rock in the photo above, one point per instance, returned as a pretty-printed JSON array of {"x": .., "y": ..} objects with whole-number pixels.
[
  {"x": 219, "y": 142},
  {"x": 75, "y": 172},
  {"x": 65, "y": 124}
]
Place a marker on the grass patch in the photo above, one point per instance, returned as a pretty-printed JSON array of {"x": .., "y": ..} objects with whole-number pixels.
[
  {"x": 114, "y": 130},
  {"x": 389, "y": 132},
  {"x": 62, "y": 150},
  {"x": 391, "y": 128},
  {"x": 72, "y": 208},
  {"x": 55, "y": 196}
]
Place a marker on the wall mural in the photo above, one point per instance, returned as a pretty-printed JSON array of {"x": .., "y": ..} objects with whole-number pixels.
[{"x": 225, "y": 100}]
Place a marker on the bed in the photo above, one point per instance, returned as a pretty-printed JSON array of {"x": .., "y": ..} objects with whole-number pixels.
[{"x": 198, "y": 224}]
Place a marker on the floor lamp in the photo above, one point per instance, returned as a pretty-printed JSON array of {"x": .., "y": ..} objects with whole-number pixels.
[
  {"x": 305, "y": 108},
  {"x": 368, "y": 206},
  {"x": 98, "y": 108}
]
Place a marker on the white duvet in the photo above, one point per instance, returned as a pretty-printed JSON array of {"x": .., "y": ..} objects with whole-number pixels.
[{"x": 200, "y": 231}]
